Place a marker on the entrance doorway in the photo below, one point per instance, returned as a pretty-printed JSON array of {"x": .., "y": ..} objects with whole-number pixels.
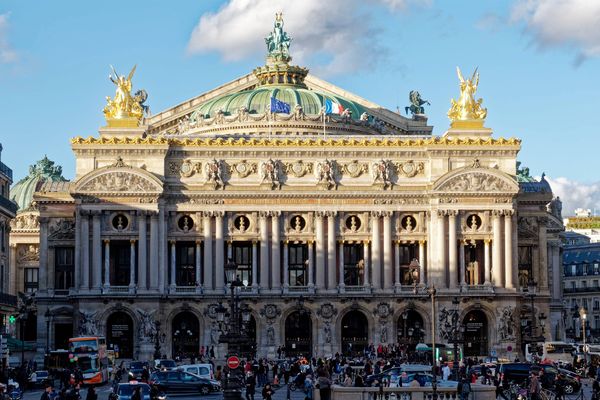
[
  {"x": 355, "y": 333},
  {"x": 62, "y": 333},
  {"x": 410, "y": 329},
  {"x": 298, "y": 334},
  {"x": 249, "y": 351},
  {"x": 119, "y": 334},
  {"x": 476, "y": 334},
  {"x": 186, "y": 335}
]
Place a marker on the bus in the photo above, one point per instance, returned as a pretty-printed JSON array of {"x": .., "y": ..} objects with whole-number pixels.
[
  {"x": 554, "y": 351},
  {"x": 57, "y": 360},
  {"x": 90, "y": 355}
]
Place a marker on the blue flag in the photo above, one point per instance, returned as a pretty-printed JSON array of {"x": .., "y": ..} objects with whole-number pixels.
[{"x": 278, "y": 106}]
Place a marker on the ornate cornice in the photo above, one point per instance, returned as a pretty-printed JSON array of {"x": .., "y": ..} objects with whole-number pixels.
[{"x": 299, "y": 142}]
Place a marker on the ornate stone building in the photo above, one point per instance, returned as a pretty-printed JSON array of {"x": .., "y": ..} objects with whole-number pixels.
[
  {"x": 8, "y": 209},
  {"x": 330, "y": 218}
]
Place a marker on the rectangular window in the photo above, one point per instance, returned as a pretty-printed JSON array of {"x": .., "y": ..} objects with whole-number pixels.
[
  {"x": 584, "y": 284},
  {"x": 596, "y": 304},
  {"x": 573, "y": 285},
  {"x": 595, "y": 283},
  {"x": 185, "y": 263},
  {"x": 408, "y": 252},
  {"x": 120, "y": 262},
  {"x": 596, "y": 322},
  {"x": 64, "y": 267},
  {"x": 579, "y": 269},
  {"x": 298, "y": 264},
  {"x": 525, "y": 264},
  {"x": 242, "y": 256},
  {"x": 354, "y": 264},
  {"x": 596, "y": 269},
  {"x": 31, "y": 280}
]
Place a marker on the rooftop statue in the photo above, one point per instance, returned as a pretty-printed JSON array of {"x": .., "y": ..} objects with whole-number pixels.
[
  {"x": 124, "y": 106},
  {"x": 467, "y": 108},
  {"x": 416, "y": 103},
  {"x": 278, "y": 41}
]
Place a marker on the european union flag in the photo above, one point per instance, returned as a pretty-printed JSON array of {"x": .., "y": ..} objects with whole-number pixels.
[{"x": 278, "y": 106}]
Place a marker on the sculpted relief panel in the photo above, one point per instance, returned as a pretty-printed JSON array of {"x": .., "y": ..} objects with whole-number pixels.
[
  {"x": 477, "y": 182},
  {"x": 119, "y": 181}
]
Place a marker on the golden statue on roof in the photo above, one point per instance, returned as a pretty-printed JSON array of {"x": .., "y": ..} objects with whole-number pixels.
[
  {"x": 125, "y": 109},
  {"x": 466, "y": 110}
]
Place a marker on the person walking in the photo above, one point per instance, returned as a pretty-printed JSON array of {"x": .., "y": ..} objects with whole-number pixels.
[
  {"x": 91, "y": 394},
  {"x": 464, "y": 388},
  {"x": 324, "y": 383},
  {"x": 267, "y": 392},
  {"x": 46, "y": 393},
  {"x": 250, "y": 385},
  {"x": 534, "y": 387}
]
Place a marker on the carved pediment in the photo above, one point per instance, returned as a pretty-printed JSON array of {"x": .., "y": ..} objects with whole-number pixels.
[
  {"x": 120, "y": 178},
  {"x": 476, "y": 180}
]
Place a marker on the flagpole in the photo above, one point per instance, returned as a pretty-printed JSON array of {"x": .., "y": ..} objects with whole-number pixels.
[{"x": 324, "y": 114}]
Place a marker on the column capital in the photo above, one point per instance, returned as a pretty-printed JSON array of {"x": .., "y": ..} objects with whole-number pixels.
[
  {"x": 106, "y": 241},
  {"x": 441, "y": 213},
  {"x": 487, "y": 241},
  {"x": 422, "y": 241},
  {"x": 320, "y": 214},
  {"x": 497, "y": 213},
  {"x": 84, "y": 213},
  {"x": 219, "y": 214},
  {"x": 310, "y": 242},
  {"x": 254, "y": 242},
  {"x": 330, "y": 214},
  {"x": 172, "y": 242},
  {"x": 44, "y": 220},
  {"x": 13, "y": 245},
  {"x": 198, "y": 242},
  {"x": 341, "y": 241},
  {"x": 367, "y": 241},
  {"x": 387, "y": 214},
  {"x": 452, "y": 213},
  {"x": 376, "y": 214},
  {"x": 264, "y": 214},
  {"x": 95, "y": 213},
  {"x": 508, "y": 213},
  {"x": 132, "y": 241}
]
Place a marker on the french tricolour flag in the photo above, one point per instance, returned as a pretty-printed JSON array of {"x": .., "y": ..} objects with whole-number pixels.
[{"x": 331, "y": 107}]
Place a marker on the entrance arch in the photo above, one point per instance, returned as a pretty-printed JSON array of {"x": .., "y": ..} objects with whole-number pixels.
[
  {"x": 410, "y": 329},
  {"x": 249, "y": 350},
  {"x": 119, "y": 334},
  {"x": 476, "y": 334},
  {"x": 298, "y": 334},
  {"x": 185, "y": 332},
  {"x": 355, "y": 333}
]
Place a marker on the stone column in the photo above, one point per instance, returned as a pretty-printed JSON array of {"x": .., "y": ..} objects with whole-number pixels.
[
  {"x": 77, "y": 279},
  {"x": 461, "y": 257},
  {"x": 440, "y": 268},
  {"x": 219, "y": 253},
  {"x": 556, "y": 273},
  {"x": 132, "y": 263},
  {"x": 43, "y": 269},
  {"x": 331, "y": 248},
  {"x": 341, "y": 265},
  {"x": 388, "y": 262},
  {"x": 85, "y": 250},
  {"x": 311, "y": 269},
  {"x": 453, "y": 267},
  {"x": 421, "y": 262},
  {"x": 320, "y": 245},
  {"x": 208, "y": 262},
  {"x": 106, "y": 263},
  {"x": 14, "y": 270},
  {"x": 275, "y": 251},
  {"x": 397, "y": 281},
  {"x": 264, "y": 251},
  {"x": 486, "y": 262},
  {"x": 163, "y": 266},
  {"x": 96, "y": 251},
  {"x": 497, "y": 249},
  {"x": 376, "y": 250},
  {"x": 509, "y": 279},
  {"x": 366, "y": 277},
  {"x": 198, "y": 265},
  {"x": 173, "y": 263},
  {"x": 286, "y": 265},
  {"x": 142, "y": 259},
  {"x": 154, "y": 251},
  {"x": 254, "y": 265},
  {"x": 543, "y": 251}
]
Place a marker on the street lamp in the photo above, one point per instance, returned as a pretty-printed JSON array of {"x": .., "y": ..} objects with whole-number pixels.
[
  {"x": 431, "y": 292},
  {"x": 233, "y": 328},
  {"x": 455, "y": 334},
  {"x": 47, "y": 315},
  {"x": 583, "y": 315},
  {"x": 405, "y": 317}
]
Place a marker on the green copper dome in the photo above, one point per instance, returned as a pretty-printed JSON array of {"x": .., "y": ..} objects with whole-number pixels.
[
  {"x": 39, "y": 173},
  {"x": 257, "y": 101}
]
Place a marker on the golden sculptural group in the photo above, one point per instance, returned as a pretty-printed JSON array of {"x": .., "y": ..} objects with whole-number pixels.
[
  {"x": 466, "y": 108},
  {"x": 124, "y": 110}
]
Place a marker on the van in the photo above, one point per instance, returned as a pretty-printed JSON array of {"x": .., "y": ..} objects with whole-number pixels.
[{"x": 202, "y": 370}]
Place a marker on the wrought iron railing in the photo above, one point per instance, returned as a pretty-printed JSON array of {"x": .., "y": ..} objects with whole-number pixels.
[
  {"x": 8, "y": 204},
  {"x": 6, "y": 171}
]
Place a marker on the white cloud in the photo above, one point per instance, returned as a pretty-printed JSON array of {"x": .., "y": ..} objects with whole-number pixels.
[
  {"x": 334, "y": 36},
  {"x": 569, "y": 23},
  {"x": 575, "y": 194},
  {"x": 7, "y": 54}
]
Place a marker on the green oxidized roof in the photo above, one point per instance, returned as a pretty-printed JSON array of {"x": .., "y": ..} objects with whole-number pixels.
[
  {"x": 39, "y": 173},
  {"x": 257, "y": 101}
]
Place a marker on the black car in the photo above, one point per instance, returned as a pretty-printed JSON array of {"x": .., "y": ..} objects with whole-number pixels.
[
  {"x": 183, "y": 382},
  {"x": 519, "y": 373},
  {"x": 136, "y": 368}
]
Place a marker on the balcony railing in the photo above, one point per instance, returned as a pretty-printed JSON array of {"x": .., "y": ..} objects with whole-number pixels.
[
  {"x": 356, "y": 289},
  {"x": 8, "y": 204},
  {"x": 582, "y": 289},
  {"x": 8, "y": 299},
  {"x": 6, "y": 171}
]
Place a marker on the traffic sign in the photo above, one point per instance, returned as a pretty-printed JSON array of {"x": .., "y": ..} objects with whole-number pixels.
[{"x": 233, "y": 362}]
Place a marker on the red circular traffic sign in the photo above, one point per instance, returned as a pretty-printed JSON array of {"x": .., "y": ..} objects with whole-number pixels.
[{"x": 233, "y": 362}]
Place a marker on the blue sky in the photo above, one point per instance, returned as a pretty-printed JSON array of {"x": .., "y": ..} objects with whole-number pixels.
[{"x": 538, "y": 60}]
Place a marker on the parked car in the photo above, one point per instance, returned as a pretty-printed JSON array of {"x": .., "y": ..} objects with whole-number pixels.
[
  {"x": 183, "y": 382},
  {"x": 519, "y": 373},
  {"x": 164, "y": 364},
  {"x": 125, "y": 391},
  {"x": 39, "y": 378},
  {"x": 202, "y": 370},
  {"x": 136, "y": 368},
  {"x": 392, "y": 373},
  {"x": 425, "y": 379}
]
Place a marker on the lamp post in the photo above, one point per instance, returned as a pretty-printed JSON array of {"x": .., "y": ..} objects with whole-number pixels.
[
  {"x": 22, "y": 319},
  {"x": 431, "y": 292},
  {"x": 47, "y": 315},
  {"x": 158, "y": 339},
  {"x": 583, "y": 315},
  {"x": 405, "y": 318},
  {"x": 529, "y": 292},
  {"x": 455, "y": 335},
  {"x": 233, "y": 332}
]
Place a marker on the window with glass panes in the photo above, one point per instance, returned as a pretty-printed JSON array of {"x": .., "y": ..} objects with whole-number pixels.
[
  {"x": 120, "y": 262},
  {"x": 525, "y": 258},
  {"x": 242, "y": 257},
  {"x": 298, "y": 264},
  {"x": 64, "y": 267},
  {"x": 354, "y": 264},
  {"x": 185, "y": 264},
  {"x": 408, "y": 252},
  {"x": 31, "y": 279}
]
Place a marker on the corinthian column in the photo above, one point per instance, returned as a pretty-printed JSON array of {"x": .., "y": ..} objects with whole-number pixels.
[
  {"x": 497, "y": 271},
  {"x": 331, "y": 266},
  {"x": 106, "y": 263},
  {"x": 509, "y": 279},
  {"x": 143, "y": 266},
  {"x": 486, "y": 262},
  {"x": 173, "y": 264},
  {"x": 208, "y": 261},
  {"x": 85, "y": 250},
  {"x": 219, "y": 253},
  {"x": 275, "y": 252},
  {"x": 320, "y": 249},
  {"x": 376, "y": 250},
  {"x": 440, "y": 269},
  {"x": 311, "y": 278},
  {"x": 388, "y": 262},
  {"x": 453, "y": 267},
  {"x": 264, "y": 250},
  {"x": 421, "y": 262},
  {"x": 286, "y": 265},
  {"x": 154, "y": 251},
  {"x": 254, "y": 265},
  {"x": 341, "y": 283}
]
